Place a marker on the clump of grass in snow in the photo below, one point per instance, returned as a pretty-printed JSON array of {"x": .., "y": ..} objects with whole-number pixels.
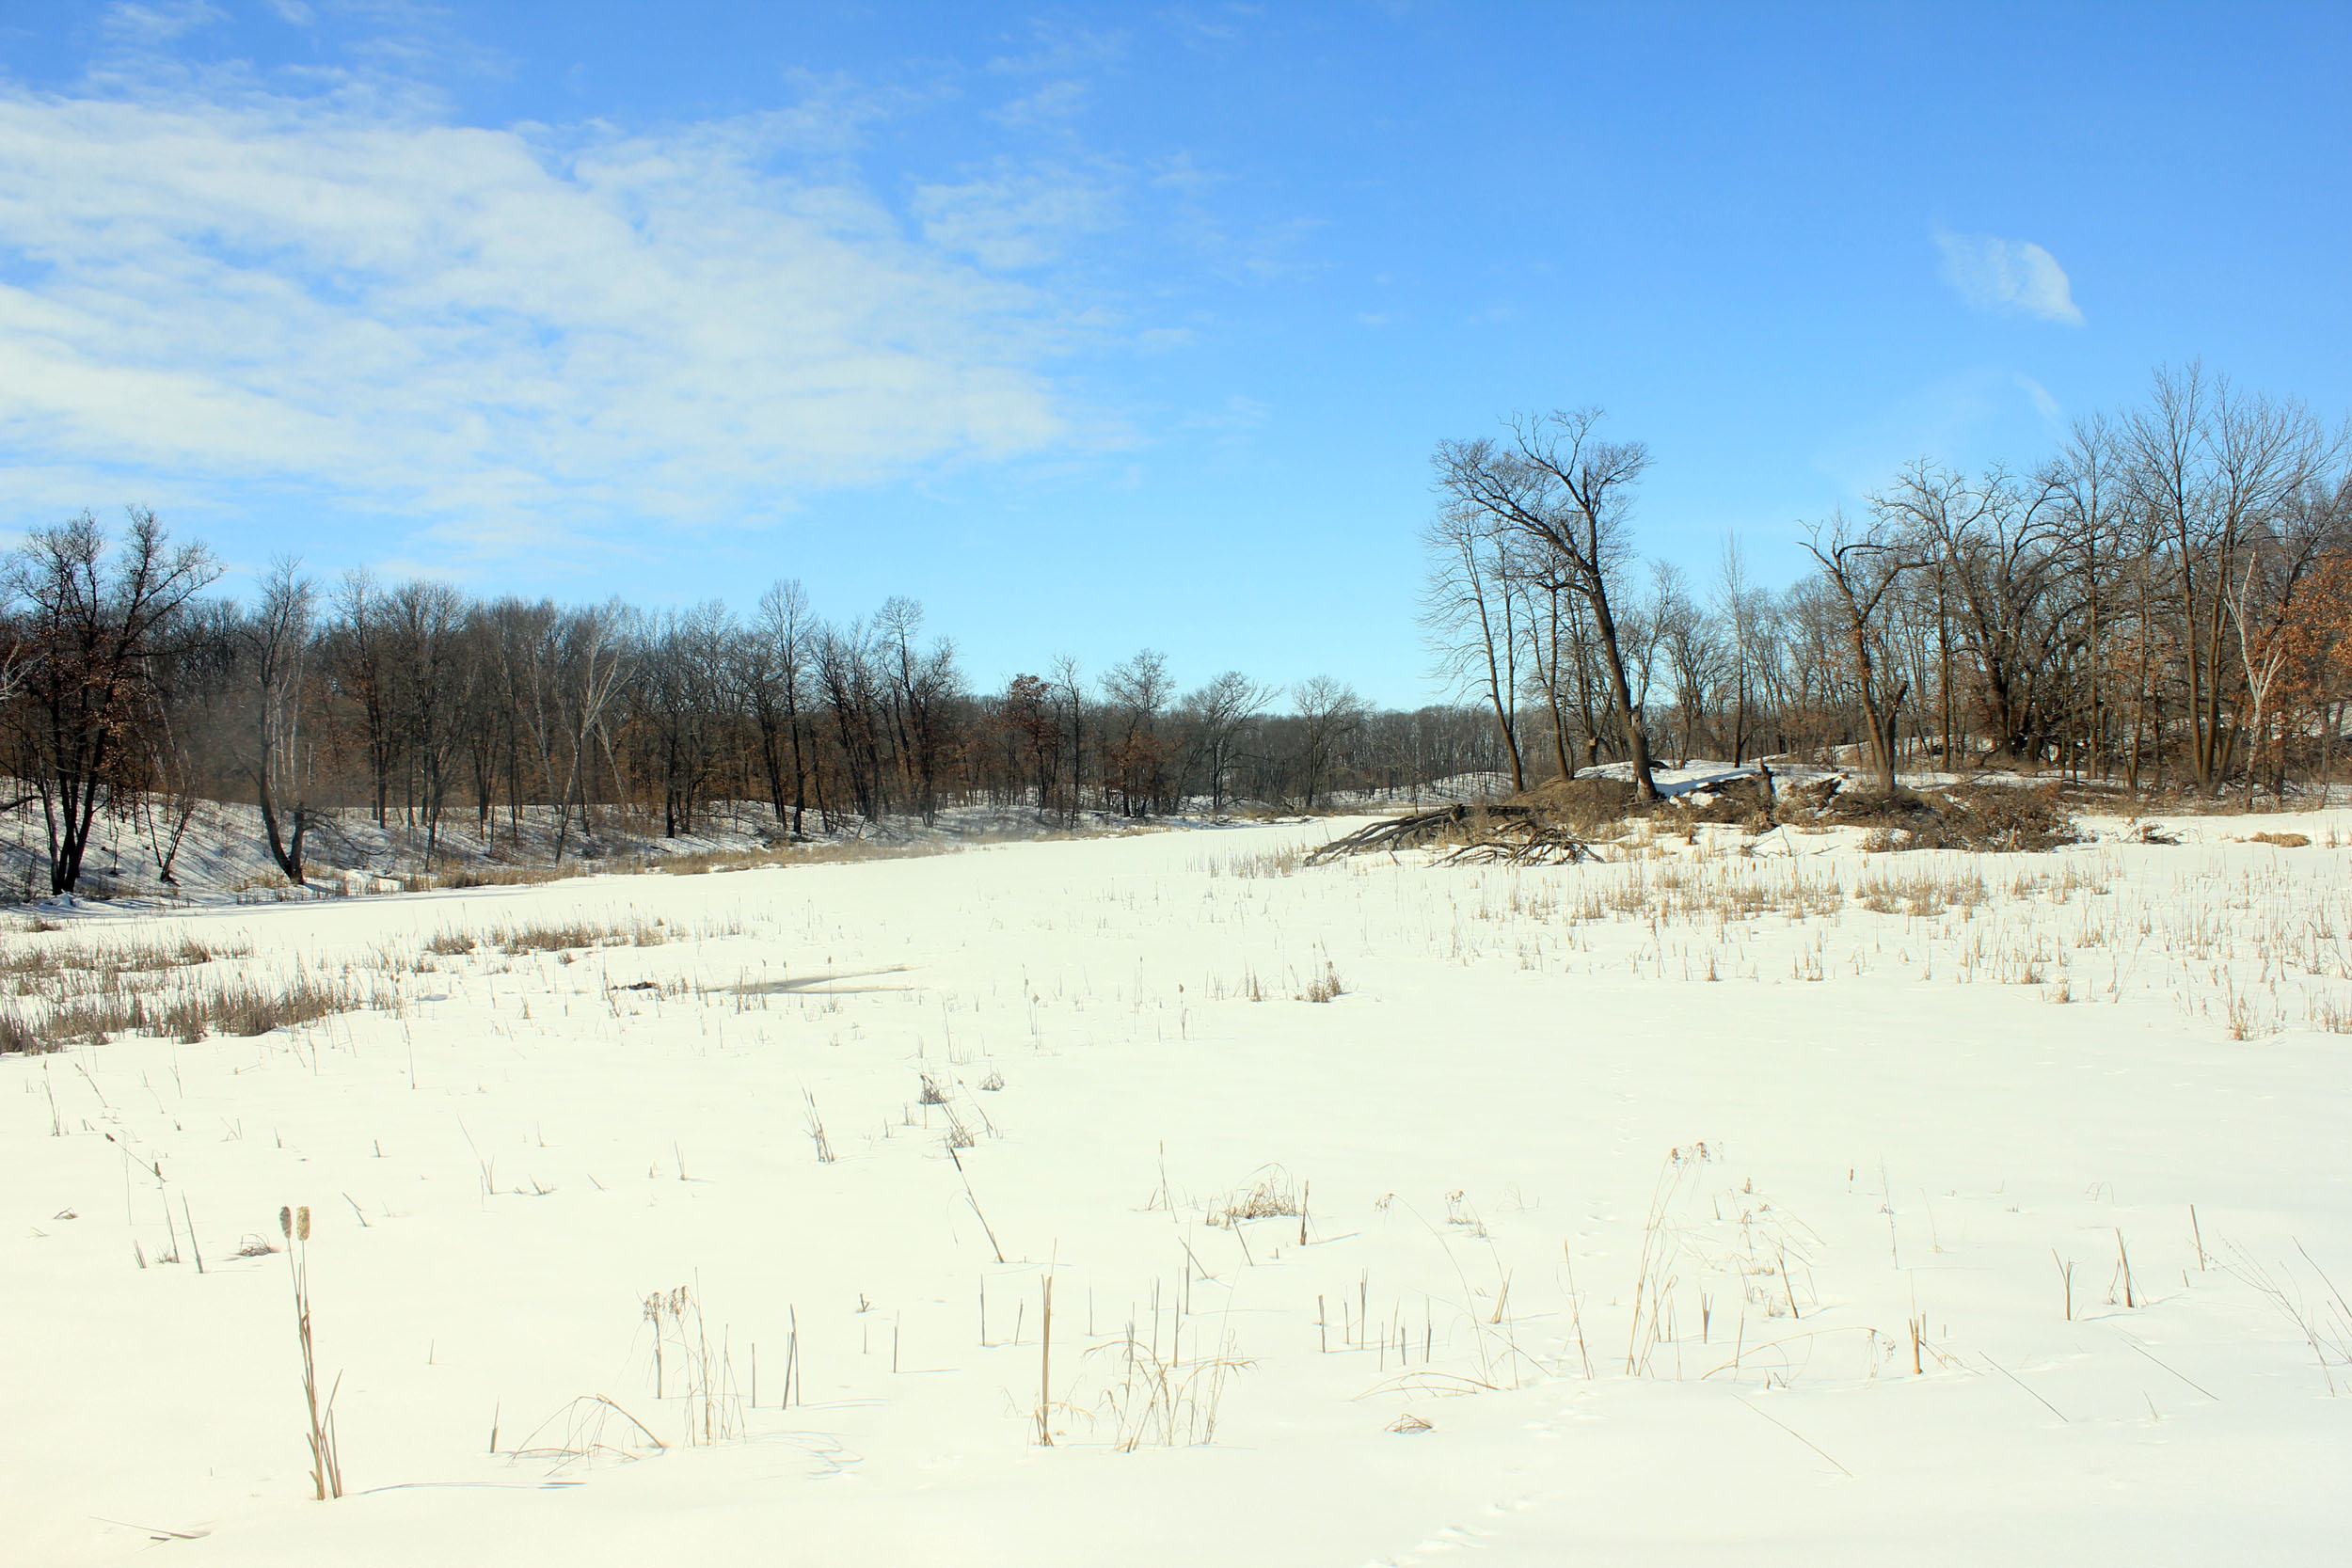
[
  {"x": 247, "y": 1007},
  {"x": 1907, "y": 890},
  {"x": 18, "y": 1037},
  {"x": 190, "y": 1012},
  {"x": 817, "y": 1129},
  {"x": 2324, "y": 1323},
  {"x": 589, "y": 1427},
  {"x": 32, "y": 966},
  {"x": 686, "y": 1368},
  {"x": 1269, "y": 1194},
  {"x": 554, "y": 938},
  {"x": 573, "y": 935},
  {"x": 72, "y": 992},
  {"x": 1262, "y": 862},
  {"x": 501, "y": 876},
  {"x": 2328, "y": 1011},
  {"x": 1150, "y": 1399}
]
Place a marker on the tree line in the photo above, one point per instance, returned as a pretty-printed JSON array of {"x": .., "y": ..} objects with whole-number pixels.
[
  {"x": 128, "y": 688},
  {"x": 2165, "y": 601}
]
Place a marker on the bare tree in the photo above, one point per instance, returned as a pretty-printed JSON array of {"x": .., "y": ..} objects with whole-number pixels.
[
  {"x": 1221, "y": 712},
  {"x": 1996, "y": 543},
  {"x": 918, "y": 692},
  {"x": 1136, "y": 761},
  {"x": 1328, "y": 714},
  {"x": 1569, "y": 492},
  {"x": 1739, "y": 612},
  {"x": 1029, "y": 715},
  {"x": 849, "y": 683},
  {"x": 2213, "y": 469},
  {"x": 1558, "y": 651},
  {"x": 363, "y": 659},
  {"x": 780, "y": 676},
  {"x": 594, "y": 661},
  {"x": 96, "y": 614},
  {"x": 276, "y": 639},
  {"x": 680, "y": 699},
  {"x": 425, "y": 620},
  {"x": 1688, "y": 643},
  {"x": 2084, "y": 480},
  {"x": 1066, "y": 686},
  {"x": 1863, "y": 566},
  {"x": 184, "y": 732},
  {"x": 2261, "y": 658},
  {"x": 1468, "y": 612}
]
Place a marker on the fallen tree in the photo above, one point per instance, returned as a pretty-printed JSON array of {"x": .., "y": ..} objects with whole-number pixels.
[
  {"x": 1526, "y": 841},
  {"x": 1518, "y": 835}
]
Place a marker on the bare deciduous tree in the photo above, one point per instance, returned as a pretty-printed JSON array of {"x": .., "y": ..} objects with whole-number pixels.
[
  {"x": 276, "y": 639},
  {"x": 1221, "y": 712},
  {"x": 1330, "y": 713},
  {"x": 96, "y": 613},
  {"x": 1567, "y": 492},
  {"x": 1469, "y": 614},
  {"x": 779, "y": 677},
  {"x": 1863, "y": 566},
  {"x": 593, "y": 665}
]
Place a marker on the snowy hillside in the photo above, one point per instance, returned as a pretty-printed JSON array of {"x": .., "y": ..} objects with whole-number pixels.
[{"x": 220, "y": 853}]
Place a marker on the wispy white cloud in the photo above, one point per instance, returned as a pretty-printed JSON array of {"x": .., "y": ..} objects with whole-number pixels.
[
  {"x": 1237, "y": 414},
  {"x": 1058, "y": 48},
  {"x": 1958, "y": 420},
  {"x": 1212, "y": 25},
  {"x": 1017, "y": 216},
  {"x": 1050, "y": 106},
  {"x": 156, "y": 22},
  {"x": 2044, "y": 403},
  {"x": 1230, "y": 243},
  {"x": 2008, "y": 276},
  {"x": 508, "y": 335}
]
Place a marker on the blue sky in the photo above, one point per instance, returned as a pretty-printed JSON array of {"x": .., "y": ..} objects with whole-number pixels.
[{"x": 1099, "y": 327}]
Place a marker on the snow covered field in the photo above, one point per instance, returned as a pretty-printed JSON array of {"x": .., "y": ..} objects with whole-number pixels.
[{"x": 1705, "y": 1207}]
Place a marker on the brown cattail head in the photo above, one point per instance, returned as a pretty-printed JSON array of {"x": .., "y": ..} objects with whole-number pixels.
[
  {"x": 302, "y": 1222},
  {"x": 285, "y": 1222}
]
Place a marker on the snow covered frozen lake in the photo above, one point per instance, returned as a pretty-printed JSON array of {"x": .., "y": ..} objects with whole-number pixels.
[{"x": 1792, "y": 1206}]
